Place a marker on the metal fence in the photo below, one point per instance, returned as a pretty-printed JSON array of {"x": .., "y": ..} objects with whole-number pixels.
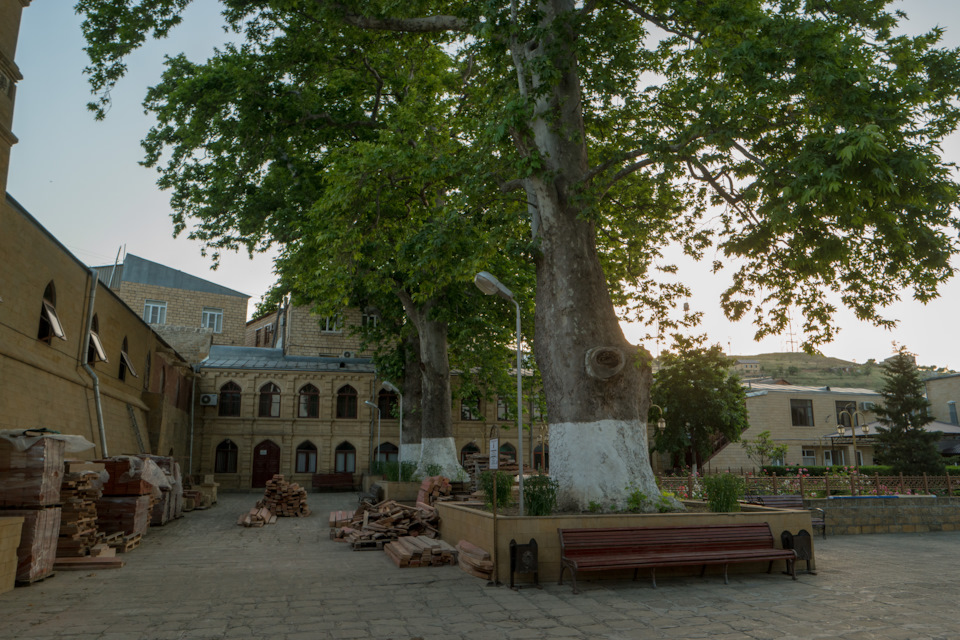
[{"x": 852, "y": 484}]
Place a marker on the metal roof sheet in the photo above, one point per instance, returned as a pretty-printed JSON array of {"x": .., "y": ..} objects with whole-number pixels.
[{"x": 263, "y": 359}]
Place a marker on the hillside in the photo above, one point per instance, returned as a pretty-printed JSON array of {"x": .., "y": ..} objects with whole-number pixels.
[{"x": 820, "y": 371}]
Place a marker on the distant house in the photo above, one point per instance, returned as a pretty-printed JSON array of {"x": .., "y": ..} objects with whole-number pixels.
[
  {"x": 805, "y": 419},
  {"x": 747, "y": 368},
  {"x": 943, "y": 392},
  {"x": 190, "y": 312}
]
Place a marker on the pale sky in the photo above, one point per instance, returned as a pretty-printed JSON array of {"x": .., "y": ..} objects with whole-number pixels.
[{"x": 81, "y": 180}]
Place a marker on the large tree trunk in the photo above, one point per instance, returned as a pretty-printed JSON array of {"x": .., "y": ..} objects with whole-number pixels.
[
  {"x": 437, "y": 445},
  {"x": 412, "y": 399},
  {"x": 596, "y": 384}
]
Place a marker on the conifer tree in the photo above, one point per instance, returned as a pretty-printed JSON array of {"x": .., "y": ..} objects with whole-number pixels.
[{"x": 903, "y": 443}]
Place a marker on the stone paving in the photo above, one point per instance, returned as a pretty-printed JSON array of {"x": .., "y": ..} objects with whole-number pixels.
[{"x": 203, "y": 577}]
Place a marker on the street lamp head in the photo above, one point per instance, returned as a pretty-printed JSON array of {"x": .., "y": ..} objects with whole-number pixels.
[
  {"x": 367, "y": 402},
  {"x": 841, "y": 430},
  {"x": 489, "y": 284},
  {"x": 389, "y": 387},
  {"x": 865, "y": 428},
  {"x": 661, "y": 425}
]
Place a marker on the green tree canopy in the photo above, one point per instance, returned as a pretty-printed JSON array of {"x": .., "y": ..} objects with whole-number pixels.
[{"x": 704, "y": 405}]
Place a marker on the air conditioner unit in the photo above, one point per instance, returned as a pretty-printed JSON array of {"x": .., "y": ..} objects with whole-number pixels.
[
  {"x": 867, "y": 406},
  {"x": 347, "y": 354},
  {"x": 208, "y": 399}
]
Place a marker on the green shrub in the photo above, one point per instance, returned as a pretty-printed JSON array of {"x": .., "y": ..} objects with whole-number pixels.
[
  {"x": 539, "y": 495},
  {"x": 504, "y": 487},
  {"x": 723, "y": 491},
  {"x": 433, "y": 469},
  {"x": 393, "y": 472},
  {"x": 636, "y": 500}
]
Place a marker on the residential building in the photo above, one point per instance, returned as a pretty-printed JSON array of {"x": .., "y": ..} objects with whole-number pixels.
[
  {"x": 805, "y": 419},
  {"x": 943, "y": 392},
  {"x": 189, "y": 312}
]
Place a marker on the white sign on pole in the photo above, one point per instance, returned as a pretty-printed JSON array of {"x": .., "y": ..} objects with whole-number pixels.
[{"x": 495, "y": 453}]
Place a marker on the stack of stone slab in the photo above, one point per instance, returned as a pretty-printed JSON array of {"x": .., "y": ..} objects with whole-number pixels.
[{"x": 31, "y": 470}]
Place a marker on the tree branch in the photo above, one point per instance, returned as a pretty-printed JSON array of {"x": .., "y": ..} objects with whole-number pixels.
[
  {"x": 428, "y": 24},
  {"x": 660, "y": 21}
]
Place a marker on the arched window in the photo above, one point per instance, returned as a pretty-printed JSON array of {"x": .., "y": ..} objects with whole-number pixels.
[
  {"x": 469, "y": 448},
  {"x": 507, "y": 450},
  {"x": 386, "y": 452},
  {"x": 125, "y": 364},
  {"x": 387, "y": 402},
  {"x": 226, "y": 461},
  {"x": 230, "y": 399},
  {"x": 50, "y": 326},
  {"x": 309, "y": 405},
  {"x": 346, "y": 458},
  {"x": 306, "y": 457},
  {"x": 95, "y": 350},
  {"x": 347, "y": 402},
  {"x": 269, "y": 401}
]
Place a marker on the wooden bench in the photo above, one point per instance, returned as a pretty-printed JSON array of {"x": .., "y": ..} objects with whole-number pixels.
[
  {"x": 335, "y": 481},
  {"x": 638, "y": 548},
  {"x": 818, "y": 518}
]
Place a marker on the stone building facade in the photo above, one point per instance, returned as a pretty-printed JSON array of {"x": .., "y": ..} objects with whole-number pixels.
[
  {"x": 190, "y": 312},
  {"x": 805, "y": 419},
  {"x": 943, "y": 392}
]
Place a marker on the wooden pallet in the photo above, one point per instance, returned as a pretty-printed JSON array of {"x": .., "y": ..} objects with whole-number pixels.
[
  {"x": 23, "y": 583},
  {"x": 130, "y": 543},
  {"x": 368, "y": 545}
]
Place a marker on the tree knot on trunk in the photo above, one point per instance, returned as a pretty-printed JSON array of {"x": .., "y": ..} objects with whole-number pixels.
[{"x": 604, "y": 363}]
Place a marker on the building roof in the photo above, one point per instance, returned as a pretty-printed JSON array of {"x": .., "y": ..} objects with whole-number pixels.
[
  {"x": 263, "y": 359},
  {"x": 142, "y": 271},
  {"x": 753, "y": 389},
  {"x": 945, "y": 428}
]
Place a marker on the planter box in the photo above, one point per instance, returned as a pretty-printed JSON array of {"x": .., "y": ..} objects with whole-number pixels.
[
  {"x": 476, "y": 526},
  {"x": 400, "y": 491},
  {"x": 9, "y": 542}
]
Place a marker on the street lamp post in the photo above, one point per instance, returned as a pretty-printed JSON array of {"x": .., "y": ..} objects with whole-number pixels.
[
  {"x": 487, "y": 283},
  {"x": 390, "y": 387},
  {"x": 377, "y": 450},
  {"x": 842, "y": 431}
]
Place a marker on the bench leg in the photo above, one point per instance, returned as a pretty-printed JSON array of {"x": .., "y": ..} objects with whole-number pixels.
[
  {"x": 703, "y": 571},
  {"x": 573, "y": 578},
  {"x": 770, "y": 567},
  {"x": 653, "y": 576},
  {"x": 635, "y": 572},
  {"x": 726, "y": 579},
  {"x": 563, "y": 568},
  {"x": 792, "y": 568}
]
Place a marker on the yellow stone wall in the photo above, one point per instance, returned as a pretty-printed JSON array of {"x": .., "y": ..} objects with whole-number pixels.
[
  {"x": 940, "y": 391},
  {"x": 185, "y": 308},
  {"x": 771, "y": 412}
]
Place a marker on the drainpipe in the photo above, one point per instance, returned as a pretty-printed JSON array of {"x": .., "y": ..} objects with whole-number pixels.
[
  {"x": 193, "y": 397},
  {"x": 88, "y": 368}
]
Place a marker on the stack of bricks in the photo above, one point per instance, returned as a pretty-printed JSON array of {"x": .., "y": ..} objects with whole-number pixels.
[
  {"x": 127, "y": 500},
  {"x": 30, "y": 489}
]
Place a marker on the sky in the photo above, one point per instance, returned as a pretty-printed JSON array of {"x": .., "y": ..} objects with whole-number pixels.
[{"x": 81, "y": 179}]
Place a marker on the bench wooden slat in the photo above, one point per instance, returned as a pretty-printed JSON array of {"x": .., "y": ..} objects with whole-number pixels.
[{"x": 602, "y": 549}]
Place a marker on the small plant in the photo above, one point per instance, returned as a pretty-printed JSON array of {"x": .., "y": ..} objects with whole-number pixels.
[
  {"x": 540, "y": 495},
  {"x": 433, "y": 469},
  {"x": 636, "y": 500},
  {"x": 504, "y": 487},
  {"x": 663, "y": 504},
  {"x": 595, "y": 507},
  {"x": 723, "y": 492}
]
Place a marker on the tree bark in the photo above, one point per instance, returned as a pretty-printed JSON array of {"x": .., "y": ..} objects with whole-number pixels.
[
  {"x": 436, "y": 423},
  {"x": 596, "y": 384},
  {"x": 412, "y": 399}
]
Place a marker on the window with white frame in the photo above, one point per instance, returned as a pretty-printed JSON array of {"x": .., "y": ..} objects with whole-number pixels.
[
  {"x": 504, "y": 409},
  {"x": 331, "y": 324},
  {"x": 809, "y": 458},
  {"x": 369, "y": 320},
  {"x": 212, "y": 319},
  {"x": 155, "y": 311}
]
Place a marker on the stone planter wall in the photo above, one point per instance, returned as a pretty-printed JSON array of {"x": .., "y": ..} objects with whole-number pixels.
[
  {"x": 465, "y": 523},
  {"x": 846, "y": 515},
  {"x": 400, "y": 491}
]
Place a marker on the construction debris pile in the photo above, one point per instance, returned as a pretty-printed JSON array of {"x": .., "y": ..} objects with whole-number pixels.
[
  {"x": 280, "y": 498},
  {"x": 474, "y": 560},
  {"x": 372, "y": 526},
  {"x": 420, "y": 551},
  {"x": 435, "y": 489}
]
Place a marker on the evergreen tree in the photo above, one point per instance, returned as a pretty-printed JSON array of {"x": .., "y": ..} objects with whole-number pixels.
[{"x": 903, "y": 443}]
